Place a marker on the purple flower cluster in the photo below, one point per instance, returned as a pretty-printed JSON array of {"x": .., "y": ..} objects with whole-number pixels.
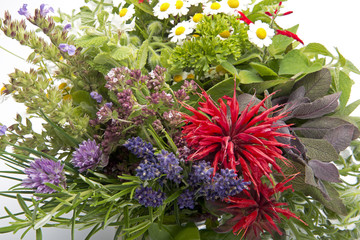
[
  {"x": 43, "y": 171},
  {"x": 45, "y": 9},
  {"x": 173, "y": 117},
  {"x": 169, "y": 165},
  {"x": 186, "y": 199},
  {"x": 149, "y": 197},
  {"x": 156, "y": 78},
  {"x": 153, "y": 165},
  {"x": 116, "y": 78},
  {"x": 23, "y": 11},
  {"x": 126, "y": 102},
  {"x": 70, "y": 49},
  {"x": 140, "y": 148},
  {"x": 219, "y": 186},
  {"x": 96, "y": 96},
  {"x": 3, "y": 129},
  {"x": 87, "y": 156}
]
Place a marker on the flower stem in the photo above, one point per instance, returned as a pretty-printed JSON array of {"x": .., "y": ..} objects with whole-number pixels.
[{"x": 12, "y": 53}]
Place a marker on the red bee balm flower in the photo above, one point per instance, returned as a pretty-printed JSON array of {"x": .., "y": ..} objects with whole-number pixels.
[
  {"x": 244, "y": 142},
  {"x": 254, "y": 213}
]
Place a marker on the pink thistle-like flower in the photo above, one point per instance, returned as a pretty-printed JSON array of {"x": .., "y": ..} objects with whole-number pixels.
[
  {"x": 243, "y": 141},
  {"x": 254, "y": 213}
]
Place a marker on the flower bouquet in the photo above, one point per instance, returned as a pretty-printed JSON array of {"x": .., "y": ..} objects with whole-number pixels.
[{"x": 178, "y": 119}]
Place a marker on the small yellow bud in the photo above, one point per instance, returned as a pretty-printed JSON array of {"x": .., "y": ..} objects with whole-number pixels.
[{"x": 67, "y": 97}]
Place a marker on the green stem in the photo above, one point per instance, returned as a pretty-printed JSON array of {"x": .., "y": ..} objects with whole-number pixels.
[{"x": 12, "y": 53}]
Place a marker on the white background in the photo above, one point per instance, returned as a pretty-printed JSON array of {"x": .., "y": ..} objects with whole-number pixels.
[{"x": 329, "y": 22}]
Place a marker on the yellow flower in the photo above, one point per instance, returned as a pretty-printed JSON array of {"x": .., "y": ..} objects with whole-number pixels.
[
  {"x": 67, "y": 97},
  {"x": 62, "y": 85},
  {"x": 2, "y": 90}
]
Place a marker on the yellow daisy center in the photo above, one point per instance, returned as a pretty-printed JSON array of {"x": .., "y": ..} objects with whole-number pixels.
[
  {"x": 190, "y": 76},
  {"x": 215, "y": 6},
  {"x": 197, "y": 17},
  {"x": 261, "y": 33},
  {"x": 67, "y": 97},
  {"x": 178, "y": 78},
  {"x": 123, "y": 12},
  {"x": 179, "y": 30},
  {"x": 196, "y": 35},
  {"x": 164, "y": 7},
  {"x": 225, "y": 34},
  {"x": 233, "y": 3},
  {"x": 62, "y": 85},
  {"x": 179, "y": 4},
  {"x": 2, "y": 90}
]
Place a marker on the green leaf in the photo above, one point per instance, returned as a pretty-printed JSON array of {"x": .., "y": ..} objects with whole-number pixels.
[
  {"x": 102, "y": 17},
  {"x": 280, "y": 43},
  {"x": 246, "y": 58},
  {"x": 261, "y": 87},
  {"x": 190, "y": 232},
  {"x": 121, "y": 53},
  {"x": 296, "y": 62},
  {"x": 172, "y": 197},
  {"x": 82, "y": 96},
  {"x": 345, "y": 84},
  {"x": 142, "y": 55},
  {"x": 229, "y": 67},
  {"x": 223, "y": 88},
  {"x": 38, "y": 234},
  {"x": 43, "y": 221},
  {"x": 320, "y": 149},
  {"x": 247, "y": 77},
  {"x": 350, "y": 108},
  {"x": 87, "y": 41},
  {"x": 263, "y": 70},
  {"x": 163, "y": 232},
  {"x": 317, "y": 48},
  {"x": 211, "y": 235},
  {"x": 351, "y": 67},
  {"x": 342, "y": 60},
  {"x": 23, "y": 205}
]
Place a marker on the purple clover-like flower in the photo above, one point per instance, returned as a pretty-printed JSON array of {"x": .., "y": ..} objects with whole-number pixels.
[
  {"x": 149, "y": 197},
  {"x": 87, "y": 156},
  {"x": 96, "y": 96},
  {"x": 67, "y": 27},
  {"x": 170, "y": 166},
  {"x": 70, "y": 49},
  {"x": 3, "y": 129},
  {"x": 45, "y": 9},
  {"x": 23, "y": 11},
  {"x": 186, "y": 199},
  {"x": 43, "y": 171}
]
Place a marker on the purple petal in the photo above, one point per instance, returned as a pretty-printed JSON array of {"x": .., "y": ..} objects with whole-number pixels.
[
  {"x": 3, "y": 129},
  {"x": 64, "y": 47},
  {"x": 23, "y": 11},
  {"x": 45, "y": 9},
  {"x": 71, "y": 50},
  {"x": 67, "y": 27}
]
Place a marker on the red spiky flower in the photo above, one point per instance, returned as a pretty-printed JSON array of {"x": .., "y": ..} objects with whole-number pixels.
[
  {"x": 254, "y": 213},
  {"x": 243, "y": 141}
]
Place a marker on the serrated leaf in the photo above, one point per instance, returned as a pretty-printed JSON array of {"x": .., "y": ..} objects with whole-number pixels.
[
  {"x": 87, "y": 41},
  {"x": 316, "y": 84},
  {"x": 296, "y": 62},
  {"x": 319, "y": 149},
  {"x": 121, "y": 53},
  {"x": 142, "y": 55},
  {"x": 317, "y": 48},
  {"x": 263, "y": 70}
]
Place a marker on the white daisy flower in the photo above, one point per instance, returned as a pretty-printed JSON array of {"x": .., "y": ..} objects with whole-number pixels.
[
  {"x": 126, "y": 13},
  {"x": 260, "y": 34},
  {"x": 180, "y": 76},
  {"x": 236, "y": 5},
  {"x": 195, "y": 20},
  {"x": 197, "y": 2},
  {"x": 164, "y": 8},
  {"x": 180, "y": 32},
  {"x": 212, "y": 8},
  {"x": 181, "y": 8}
]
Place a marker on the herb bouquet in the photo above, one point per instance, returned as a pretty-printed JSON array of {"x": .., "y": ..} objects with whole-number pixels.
[{"x": 178, "y": 119}]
